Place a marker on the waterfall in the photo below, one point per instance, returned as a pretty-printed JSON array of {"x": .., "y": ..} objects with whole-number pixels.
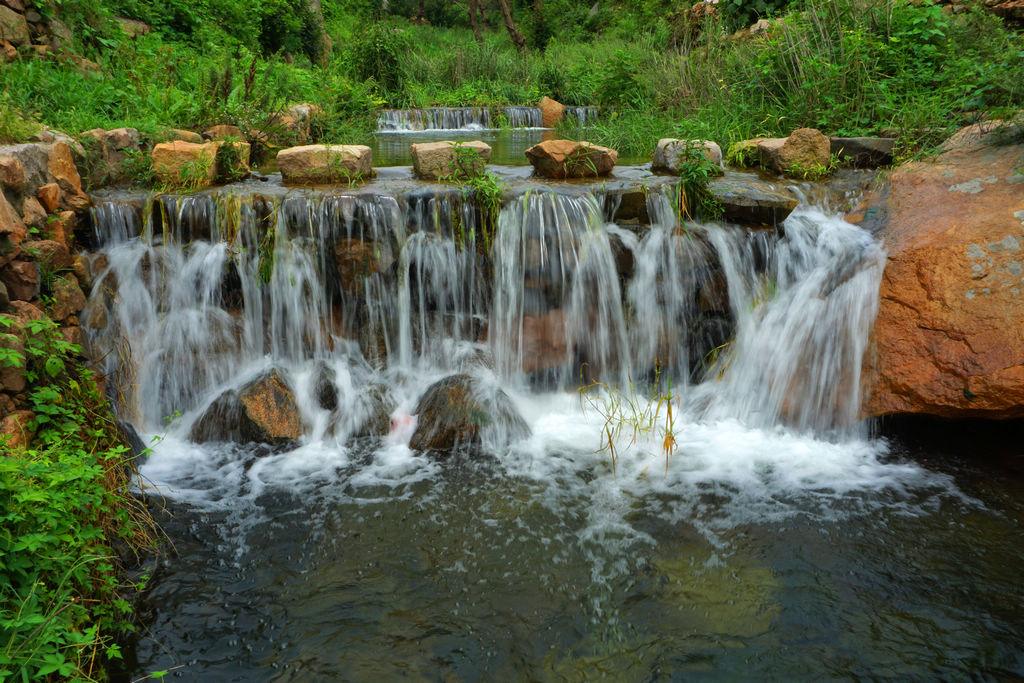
[
  {"x": 195, "y": 293},
  {"x": 467, "y": 118}
]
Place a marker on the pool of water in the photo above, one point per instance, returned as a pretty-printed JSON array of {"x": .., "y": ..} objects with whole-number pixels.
[
  {"x": 507, "y": 145},
  {"x": 752, "y": 554}
]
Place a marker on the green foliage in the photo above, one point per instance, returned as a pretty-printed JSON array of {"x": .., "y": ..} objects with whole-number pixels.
[
  {"x": 481, "y": 187},
  {"x": 743, "y": 13},
  {"x": 694, "y": 198},
  {"x": 61, "y": 503},
  {"x": 379, "y": 54},
  {"x": 229, "y": 163},
  {"x": 15, "y": 126}
]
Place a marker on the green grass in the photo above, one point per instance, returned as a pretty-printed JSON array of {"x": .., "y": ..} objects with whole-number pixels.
[{"x": 842, "y": 66}]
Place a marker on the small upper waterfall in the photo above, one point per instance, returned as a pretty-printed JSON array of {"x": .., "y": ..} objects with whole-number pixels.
[{"x": 473, "y": 118}]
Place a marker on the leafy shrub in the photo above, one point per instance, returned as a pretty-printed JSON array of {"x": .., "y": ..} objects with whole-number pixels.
[{"x": 379, "y": 54}]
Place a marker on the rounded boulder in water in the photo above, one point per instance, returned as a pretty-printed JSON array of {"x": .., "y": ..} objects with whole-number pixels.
[
  {"x": 262, "y": 411},
  {"x": 460, "y": 412}
]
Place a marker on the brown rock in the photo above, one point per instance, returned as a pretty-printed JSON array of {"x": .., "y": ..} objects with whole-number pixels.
[
  {"x": 357, "y": 259},
  {"x": 311, "y": 164},
  {"x": 16, "y": 5},
  {"x": 61, "y": 166},
  {"x": 224, "y": 132},
  {"x": 13, "y": 27},
  {"x": 122, "y": 138},
  {"x": 263, "y": 411},
  {"x": 185, "y": 163},
  {"x": 51, "y": 136},
  {"x": 455, "y": 412},
  {"x": 8, "y": 53},
  {"x": 16, "y": 429},
  {"x": 447, "y": 159},
  {"x": 12, "y": 228},
  {"x": 133, "y": 27},
  {"x": 25, "y": 311},
  {"x": 82, "y": 268},
  {"x": 551, "y": 111},
  {"x": 173, "y": 134},
  {"x": 21, "y": 279},
  {"x": 49, "y": 196},
  {"x": 61, "y": 229},
  {"x": 68, "y": 298},
  {"x": 671, "y": 154},
  {"x": 570, "y": 159},
  {"x": 805, "y": 150},
  {"x": 12, "y": 174},
  {"x": 33, "y": 213},
  {"x": 948, "y": 338},
  {"x": 544, "y": 341},
  {"x": 72, "y": 334},
  {"x": 51, "y": 255}
]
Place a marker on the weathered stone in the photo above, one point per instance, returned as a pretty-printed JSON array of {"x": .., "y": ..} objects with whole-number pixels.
[
  {"x": 32, "y": 16},
  {"x": 16, "y": 429},
  {"x": 122, "y": 138},
  {"x": 750, "y": 201},
  {"x": 447, "y": 159},
  {"x": 49, "y": 136},
  {"x": 185, "y": 163},
  {"x": 25, "y": 311},
  {"x": 948, "y": 336},
  {"x": 172, "y": 134},
  {"x": 4, "y": 298},
  {"x": 570, "y": 159},
  {"x": 32, "y": 157},
  {"x": 61, "y": 228},
  {"x": 8, "y": 53},
  {"x": 262, "y": 411},
  {"x": 68, "y": 299},
  {"x": 72, "y": 334},
  {"x": 33, "y": 213},
  {"x": 458, "y": 413},
  {"x": 16, "y": 5},
  {"x": 311, "y": 164},
  {"x": 224, "y": 132},
  {"x": 132, "y": 27},
  {"x": 61, "y": 37},
  {"x": 13, "y": 27},
  {"x": 12, "y": 174},
  {"x": 12, "y": 228},
  {"x": 82, "y": 268},
  {"x": 551, "y": 112},
  {"x": 863, "y": 152},
  {"x": 805, "y": 150},
  {"x": 49, "y": 196},
  {"x": 49, "y": 254},
  {"x": 357, "y": 259},
  {"x": 61, "y": 166},
  {"x": 544, "y": 344},
  {"x": 21, "y": 279},
  {"x": 671, "y": 154}
]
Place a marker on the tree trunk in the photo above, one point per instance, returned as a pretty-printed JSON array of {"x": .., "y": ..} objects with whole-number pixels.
[
  {"x": 473, "y": 7},
  {"x": 510, "y": 24}
]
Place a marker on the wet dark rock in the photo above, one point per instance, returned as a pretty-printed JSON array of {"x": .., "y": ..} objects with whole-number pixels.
[
  {"x": 747, "y": 200},
  {"x": 864, "y": 152},
  {"x": 378, "y": 406},
  {"x": 262, "y": 411},
  {"x": 458, "y": 413}
]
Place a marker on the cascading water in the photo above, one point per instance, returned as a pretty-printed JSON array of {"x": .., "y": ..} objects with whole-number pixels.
[{"x": 362, "y": 300}]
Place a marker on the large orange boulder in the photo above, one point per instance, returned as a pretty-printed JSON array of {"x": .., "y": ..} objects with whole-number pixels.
[
  {"x": 551, "y": 112},
  {"x": 324, "y": 164},
  {"x": 570, "y": 159},
  {"x": 262, "y": 411},
  {"x": 949, "y": 338}
]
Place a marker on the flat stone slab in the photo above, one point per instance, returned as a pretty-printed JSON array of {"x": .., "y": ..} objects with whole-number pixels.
[{"x": 751, "y": 201}]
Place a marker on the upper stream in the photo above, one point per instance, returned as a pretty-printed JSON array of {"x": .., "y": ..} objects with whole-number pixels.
[{"x": 747, "y": 526}]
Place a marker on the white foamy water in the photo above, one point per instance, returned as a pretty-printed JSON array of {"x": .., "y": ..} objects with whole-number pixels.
[{"x": 753, "y": 340}]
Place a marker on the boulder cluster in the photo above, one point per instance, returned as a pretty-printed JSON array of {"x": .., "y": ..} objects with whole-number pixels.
[{"x": 42, "y": 204}]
